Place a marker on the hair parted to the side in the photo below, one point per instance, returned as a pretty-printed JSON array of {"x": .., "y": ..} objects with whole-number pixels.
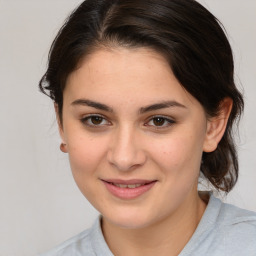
[{"x": 184, "y": 32}]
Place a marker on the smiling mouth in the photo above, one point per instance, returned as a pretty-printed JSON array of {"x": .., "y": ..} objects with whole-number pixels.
[
  {"x": 128, "y": 185},
  {"x": 129, "y": 189}
]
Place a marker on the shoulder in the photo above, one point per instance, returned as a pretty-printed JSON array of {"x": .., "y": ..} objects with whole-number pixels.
[
  {"x": 230, "y": 215},
  {"x": 237, "y": 227},
  {"x": 224, "y": 230},
  {"x": 72, "y": 245},
  {"x": 90, "y": 242}
]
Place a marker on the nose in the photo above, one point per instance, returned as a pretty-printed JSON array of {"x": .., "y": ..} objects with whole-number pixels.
[{"x": 125, "y": 151}]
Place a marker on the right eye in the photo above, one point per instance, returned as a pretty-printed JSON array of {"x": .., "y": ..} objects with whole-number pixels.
[{"x": 95, "y": 121}]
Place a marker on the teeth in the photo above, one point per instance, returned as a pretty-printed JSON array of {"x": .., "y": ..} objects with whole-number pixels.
[
  {"x": 128, "y": 186},
  {"x": 121, "y": 185}
]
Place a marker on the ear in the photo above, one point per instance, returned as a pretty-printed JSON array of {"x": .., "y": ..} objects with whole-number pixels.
[
  {"x": 63, "y": 146},
  {"x": 216, "y": 126}
]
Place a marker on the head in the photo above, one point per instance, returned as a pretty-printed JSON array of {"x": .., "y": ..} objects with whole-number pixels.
[{"x": 179, "y": 36}]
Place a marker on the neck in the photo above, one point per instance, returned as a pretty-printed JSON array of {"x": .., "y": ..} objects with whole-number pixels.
[{"x": 167, "y": 237}]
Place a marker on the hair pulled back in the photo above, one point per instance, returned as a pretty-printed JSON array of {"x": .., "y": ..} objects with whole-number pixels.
[{"x": 184, "y": 32}]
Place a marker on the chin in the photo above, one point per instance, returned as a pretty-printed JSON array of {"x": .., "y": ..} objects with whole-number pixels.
[{"x": 130, "y": 221}]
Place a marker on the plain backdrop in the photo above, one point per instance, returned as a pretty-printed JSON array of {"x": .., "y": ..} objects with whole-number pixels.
[{"x": 40, "y": 203}]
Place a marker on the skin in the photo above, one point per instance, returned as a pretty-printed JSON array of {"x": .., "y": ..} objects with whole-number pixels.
[{"x": 127, "y": 144}]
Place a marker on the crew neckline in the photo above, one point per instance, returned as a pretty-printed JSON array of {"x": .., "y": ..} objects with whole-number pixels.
[{"x": 205, "y": 226}]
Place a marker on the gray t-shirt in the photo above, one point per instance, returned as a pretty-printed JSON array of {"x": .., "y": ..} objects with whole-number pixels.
[{"x": 223, "y": 230}]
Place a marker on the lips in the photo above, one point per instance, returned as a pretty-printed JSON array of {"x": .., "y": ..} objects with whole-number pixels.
[{"x": 128, "y": 189}]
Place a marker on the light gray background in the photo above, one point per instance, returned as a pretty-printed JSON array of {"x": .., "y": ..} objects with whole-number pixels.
[{"x": 40, "y": 203}]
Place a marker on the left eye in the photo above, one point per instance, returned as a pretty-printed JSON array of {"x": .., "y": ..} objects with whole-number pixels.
[
  {"x": 94, "y": 120},
  {"x": 160, "y": 121}
]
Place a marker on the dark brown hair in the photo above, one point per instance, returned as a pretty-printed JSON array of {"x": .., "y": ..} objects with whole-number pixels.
[{"x": 184, "y": 32}]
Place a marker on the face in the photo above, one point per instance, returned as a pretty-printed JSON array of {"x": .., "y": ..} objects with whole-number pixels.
[{"x": 134, "y": 136}]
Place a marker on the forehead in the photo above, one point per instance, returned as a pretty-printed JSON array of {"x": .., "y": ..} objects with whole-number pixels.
[
  {"x": 121, "y": 62},
  {"x": 130, "y": 74}
]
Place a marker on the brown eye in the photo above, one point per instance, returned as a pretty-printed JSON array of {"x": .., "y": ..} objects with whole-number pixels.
[
  {"x": 96, "y": 120},
  {"x": 158, "y": 121}
]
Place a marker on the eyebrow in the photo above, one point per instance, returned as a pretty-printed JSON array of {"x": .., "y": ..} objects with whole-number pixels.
[
  {"x": 156, "y": 106},
  {"x": 161, "y": 105},
  {"x": 94, "y": 104}
]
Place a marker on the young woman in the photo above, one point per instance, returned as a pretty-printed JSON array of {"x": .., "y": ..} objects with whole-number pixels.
[{"x": 145, "y": 100}]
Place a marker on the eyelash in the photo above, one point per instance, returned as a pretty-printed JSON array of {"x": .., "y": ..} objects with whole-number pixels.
[
  {"x": 85, "y": 119},
  {"x": 167, "y": 120}
]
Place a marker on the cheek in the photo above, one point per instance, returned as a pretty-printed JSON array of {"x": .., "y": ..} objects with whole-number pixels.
[
  {"x": 178, "y": 152},
  {"x": 172, "y": 151},
  {"x": 85, "y": 154}
]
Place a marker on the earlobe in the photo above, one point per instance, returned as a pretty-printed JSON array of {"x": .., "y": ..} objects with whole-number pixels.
[
  {"x": 63, "y": 145},
  {"x": 216, "y": 126},
  {"x": 63, "y": 148}
]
